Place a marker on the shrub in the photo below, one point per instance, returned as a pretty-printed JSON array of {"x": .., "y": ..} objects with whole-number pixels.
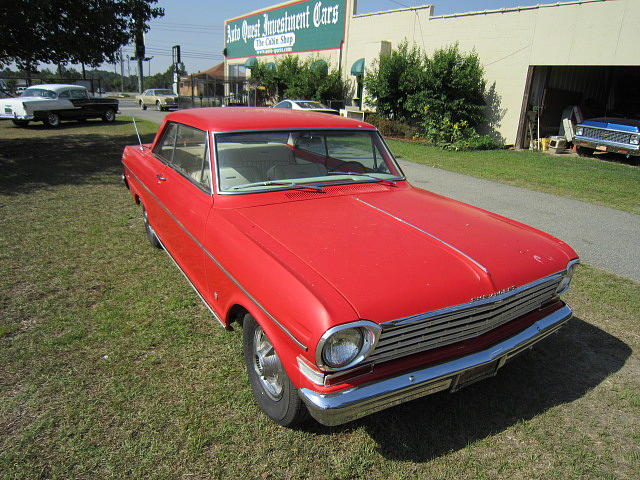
[
  {"x": 394, "y": 82},
  {"x": 391, "y": 128}
]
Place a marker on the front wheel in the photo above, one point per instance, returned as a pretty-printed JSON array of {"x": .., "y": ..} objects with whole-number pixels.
[
  {"x": 158, "y": 107},
  {"x": 275, "y": 394},
  {"x": 109, "y": 115},
  {"x": 52, "y": 120}
]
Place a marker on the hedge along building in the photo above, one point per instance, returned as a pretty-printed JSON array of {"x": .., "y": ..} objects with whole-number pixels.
[{"x": 544, "y": 57}]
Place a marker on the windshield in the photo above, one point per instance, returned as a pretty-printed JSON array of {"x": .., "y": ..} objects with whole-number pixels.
[
  {"x": 308, "y": 104},
  {"x": 38, "y": 92},
  {"x": 164, "y": 92},
  {"x": 258, "y": 161}
]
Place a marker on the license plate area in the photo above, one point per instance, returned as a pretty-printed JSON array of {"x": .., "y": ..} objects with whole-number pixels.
[
  {"x": 476, "y": 374},
  {"x": 601, "y": 148}
]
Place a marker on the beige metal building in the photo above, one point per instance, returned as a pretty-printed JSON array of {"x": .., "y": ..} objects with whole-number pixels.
[{"x": 584, "y": 53}]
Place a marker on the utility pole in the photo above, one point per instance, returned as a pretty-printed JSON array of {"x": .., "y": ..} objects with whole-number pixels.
[
  {"x": 121, "y": 72},
  {"x": 140, "y": 50},
  {"x": 148, "y": 59}
]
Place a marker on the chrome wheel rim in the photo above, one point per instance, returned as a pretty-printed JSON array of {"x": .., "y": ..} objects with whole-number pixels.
[
  {"x": 109, "y": 115},
  {"x": 52, "y": 118},
  {"x": 267, "y": 365}
]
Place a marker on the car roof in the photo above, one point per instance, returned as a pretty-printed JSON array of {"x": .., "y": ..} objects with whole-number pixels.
[
  {"x": 220, "y": 119},
  {"x": 56, "y": 87}
]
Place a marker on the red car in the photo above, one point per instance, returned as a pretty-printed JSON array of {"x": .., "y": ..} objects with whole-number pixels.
[{"x": 356, "y": 291}]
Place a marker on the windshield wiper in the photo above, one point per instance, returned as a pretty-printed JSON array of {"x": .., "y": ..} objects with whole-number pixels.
[
  {"x": 278, "y": 183},
  {"x": 386, "y": 181}
]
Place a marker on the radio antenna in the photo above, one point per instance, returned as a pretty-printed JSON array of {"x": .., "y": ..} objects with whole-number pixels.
[{"x": 138, "y": 134}]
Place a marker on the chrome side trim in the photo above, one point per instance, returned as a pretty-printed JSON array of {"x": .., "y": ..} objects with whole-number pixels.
[
  {"x": 215, "y": 315},
  {"x": 475, "y": 262},
  {"x": 224, "y": 270},
  {"x": 347, "y": 405}
]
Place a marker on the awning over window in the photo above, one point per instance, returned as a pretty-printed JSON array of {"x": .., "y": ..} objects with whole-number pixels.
[
  {"x": 320, "y": 66},
  {"x": 250, "y": 62},
  {"x": 357, "y": 68}
]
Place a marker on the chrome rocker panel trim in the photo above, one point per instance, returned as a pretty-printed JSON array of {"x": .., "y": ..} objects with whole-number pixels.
[{"x": 347, "y": 405}]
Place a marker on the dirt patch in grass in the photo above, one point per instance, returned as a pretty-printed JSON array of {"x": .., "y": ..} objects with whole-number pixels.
[{"x": 111, "y": 368}]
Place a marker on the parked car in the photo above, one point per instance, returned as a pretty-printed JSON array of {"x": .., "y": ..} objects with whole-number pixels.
[
  {"x": 356, "y": 291},
  {"x": 308, "y": 105},
  {"x": 160, "y": 98},
  {"x": 608, "y": 134},
  {"x": 53, "y": 103}
]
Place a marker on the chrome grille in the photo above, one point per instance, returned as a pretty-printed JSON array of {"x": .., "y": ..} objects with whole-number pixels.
[
  {"x": 453, "y": 324},
  {"x": 608, "y": 135}
]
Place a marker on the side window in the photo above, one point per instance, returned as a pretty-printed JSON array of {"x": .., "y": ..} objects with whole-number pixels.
[
  {"x": 190, "y": 157},
  {"x": 64, "y": 94},
  {"x": 78, "y": 93},
  {"x": 164, "y": 148},
  {"x": 284, "y": 104},
  {"x": 356, "y": 151}
]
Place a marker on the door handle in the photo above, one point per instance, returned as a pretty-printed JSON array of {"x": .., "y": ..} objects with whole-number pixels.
[{"x": 161, "y": 178}]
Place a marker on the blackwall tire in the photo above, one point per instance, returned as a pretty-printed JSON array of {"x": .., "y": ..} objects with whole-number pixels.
[
  {"x": 142, "y": 106},
  {"x": 109, "y": 116},
  {"x": 52, "y": 120},
  {"x": 151, "y": 234},
  {"x": 276, "y": 396},
  {"x": 20, "y": 123}
]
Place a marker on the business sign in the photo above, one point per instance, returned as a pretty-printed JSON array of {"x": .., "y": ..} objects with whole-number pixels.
[{"x": 297, "y": 27}]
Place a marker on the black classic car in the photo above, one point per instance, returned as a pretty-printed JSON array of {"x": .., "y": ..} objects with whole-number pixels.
[{"x": 54, "y": 103}]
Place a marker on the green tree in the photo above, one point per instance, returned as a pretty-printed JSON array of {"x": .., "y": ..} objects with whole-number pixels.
[
  {"x": 296, "y": 79},
  {"x": 62, "y": 31}
]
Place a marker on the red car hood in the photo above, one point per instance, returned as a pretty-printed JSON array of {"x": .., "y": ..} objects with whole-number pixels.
[{"x": 409, "y": 251}]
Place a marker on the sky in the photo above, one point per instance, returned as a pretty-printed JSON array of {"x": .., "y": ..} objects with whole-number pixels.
[{"x": 198, "y": 26}]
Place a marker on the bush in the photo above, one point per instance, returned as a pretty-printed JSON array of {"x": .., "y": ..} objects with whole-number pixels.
[
  {"x": 442, "y": 95},
  {"x": 391, "y": 128},
  {"x": 394, "y": 82}
]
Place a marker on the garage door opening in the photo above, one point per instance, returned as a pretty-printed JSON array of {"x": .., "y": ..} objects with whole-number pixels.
[{"x": 594, "y": 91}]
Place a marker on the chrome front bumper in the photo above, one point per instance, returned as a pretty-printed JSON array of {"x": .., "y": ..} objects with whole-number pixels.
[{"x": 347, "y": 405}]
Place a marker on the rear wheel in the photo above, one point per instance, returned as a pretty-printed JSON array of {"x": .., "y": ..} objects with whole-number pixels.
[
  {"x": 275, "y": 394},
  {"x": 52, "y": 120},
  {"x": 151, "y": 233},
  {"x": 109, "y": 115},
  {"x": 20, "y": 123}
]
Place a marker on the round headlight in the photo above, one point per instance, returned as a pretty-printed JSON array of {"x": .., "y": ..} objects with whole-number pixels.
[
  {"x": 634, "y": 139},
  {"x": 342, "y": 347},
  {"x": 579, "y": 131},
  {"x": 563, "y": 286}
]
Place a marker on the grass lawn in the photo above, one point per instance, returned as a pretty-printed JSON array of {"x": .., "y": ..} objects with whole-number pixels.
[
  {"x": 597, "y": 180},
  {"x": 111, "y": 368}
]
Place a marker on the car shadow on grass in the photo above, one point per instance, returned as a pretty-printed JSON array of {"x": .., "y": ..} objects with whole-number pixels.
[
  {"x": 31, "y": 163},
  {"x": 559, "y": 370}
]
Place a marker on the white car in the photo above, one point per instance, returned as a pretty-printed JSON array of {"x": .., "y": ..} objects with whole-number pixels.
[
  {"x": 308, "y": 105},
  {"x": 52, "y": 103}
]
